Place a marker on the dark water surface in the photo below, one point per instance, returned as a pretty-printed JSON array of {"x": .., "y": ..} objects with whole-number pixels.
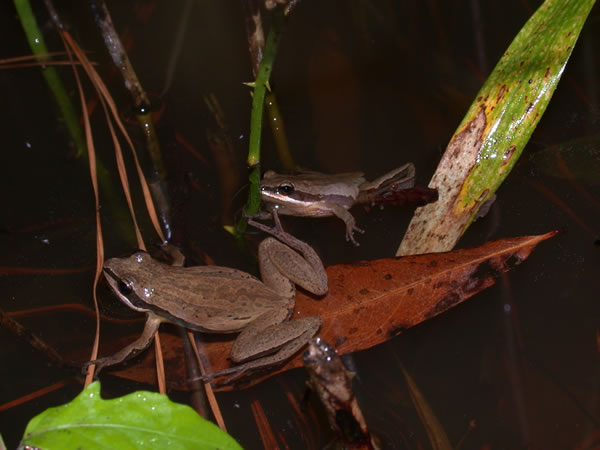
[{"x": 362, "y": 86}]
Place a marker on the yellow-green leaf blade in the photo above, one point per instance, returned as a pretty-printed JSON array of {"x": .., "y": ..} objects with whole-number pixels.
[{"x": 497, "y": 126}]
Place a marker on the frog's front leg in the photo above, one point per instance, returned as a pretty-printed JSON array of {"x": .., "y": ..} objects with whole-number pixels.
[
  {"x": 133, "y": 349},
  {"x": 348, "y": 219}
]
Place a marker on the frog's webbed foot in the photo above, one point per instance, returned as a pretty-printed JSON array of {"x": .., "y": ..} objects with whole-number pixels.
[
  {"x": 349, "y": 220},
  {"x": 133, "y": 349},
  {"x": 350, "y": 229},
  {"x": 239, "y": 370},
  {"x": 235, "y": 372}
]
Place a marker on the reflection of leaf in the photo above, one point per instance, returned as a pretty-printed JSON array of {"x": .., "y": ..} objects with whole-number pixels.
[
  {"x": 369, "y": 302},
  {"x": 576, "y": 159},
  {"x": 435, "y": 432},
  {"x": 138, "y": 420}
]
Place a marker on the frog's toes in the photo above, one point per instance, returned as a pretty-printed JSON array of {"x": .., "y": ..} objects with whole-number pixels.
[{"x": 350, "y": 237}]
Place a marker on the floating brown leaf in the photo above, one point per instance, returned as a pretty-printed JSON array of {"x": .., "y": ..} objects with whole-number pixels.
[{"x": 371, "y": 301}]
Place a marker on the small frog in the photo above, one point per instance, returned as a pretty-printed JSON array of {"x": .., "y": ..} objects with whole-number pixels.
[
  {"x": 216, "y": 299},
  {"x": 315, "y": 194}
]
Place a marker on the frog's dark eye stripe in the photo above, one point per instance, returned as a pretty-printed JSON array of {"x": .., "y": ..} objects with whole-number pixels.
[
  {"x": 125, "y": 287},
  {"x": 286, "y": 189}
]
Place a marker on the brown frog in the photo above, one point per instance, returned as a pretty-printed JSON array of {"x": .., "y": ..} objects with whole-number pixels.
[
  {"x": 315, "y": 194},
  {"x": 214, "y": 299}
]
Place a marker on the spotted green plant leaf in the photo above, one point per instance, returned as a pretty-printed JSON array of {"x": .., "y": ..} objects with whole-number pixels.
[
  {"x": 497, "y": 126},
  {"x": 139, "y": 420}
]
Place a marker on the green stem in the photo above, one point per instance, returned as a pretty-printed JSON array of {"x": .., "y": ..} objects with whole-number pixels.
[
  {"x": 256, "y": 117},
  {"x": 260, "y": 88},
  {"x": 38, "y": 46}
]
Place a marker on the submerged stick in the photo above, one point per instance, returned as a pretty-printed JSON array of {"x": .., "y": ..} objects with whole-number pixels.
[{"x": 158, "y": 175}]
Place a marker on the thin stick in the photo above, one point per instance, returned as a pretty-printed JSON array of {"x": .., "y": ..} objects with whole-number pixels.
[
  {"x": 102, "y": 89},
  {"x": 212, "y": 400},
  {"x": 160, "y": 365},
  {"x": 106, "y": 99},
  {"x": 99, "y": 240}
]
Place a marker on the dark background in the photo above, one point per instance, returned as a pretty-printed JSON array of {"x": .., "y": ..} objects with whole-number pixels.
[{"x": 364, "y": 85}]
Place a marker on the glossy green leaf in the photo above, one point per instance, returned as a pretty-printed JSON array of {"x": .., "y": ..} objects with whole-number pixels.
[
  {"x": 139, "y": 420},
  {"x": 497, "y": 126}
]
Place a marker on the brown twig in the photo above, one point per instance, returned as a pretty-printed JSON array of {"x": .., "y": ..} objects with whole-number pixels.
[
  {"x": 35, "y": 342},
  {"x": 157, "y": 177},
  {"x": 254, "y": 32},
  {"x": 212, "y": 400}
]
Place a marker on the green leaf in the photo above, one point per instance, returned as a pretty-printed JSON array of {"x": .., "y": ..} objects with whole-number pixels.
[
  {"x": 138, "y": 420},
  {"x": 497, "y": 126}
]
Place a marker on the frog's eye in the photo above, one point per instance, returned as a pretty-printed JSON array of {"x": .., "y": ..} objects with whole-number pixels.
[
  {"x": 286, "y": 189},
  {"x": 125, "y": 287}
]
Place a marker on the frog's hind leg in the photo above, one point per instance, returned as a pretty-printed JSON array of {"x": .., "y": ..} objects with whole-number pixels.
[
  {"x": 270, "y": 334},
  {"x": 271, "y": 345}
]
